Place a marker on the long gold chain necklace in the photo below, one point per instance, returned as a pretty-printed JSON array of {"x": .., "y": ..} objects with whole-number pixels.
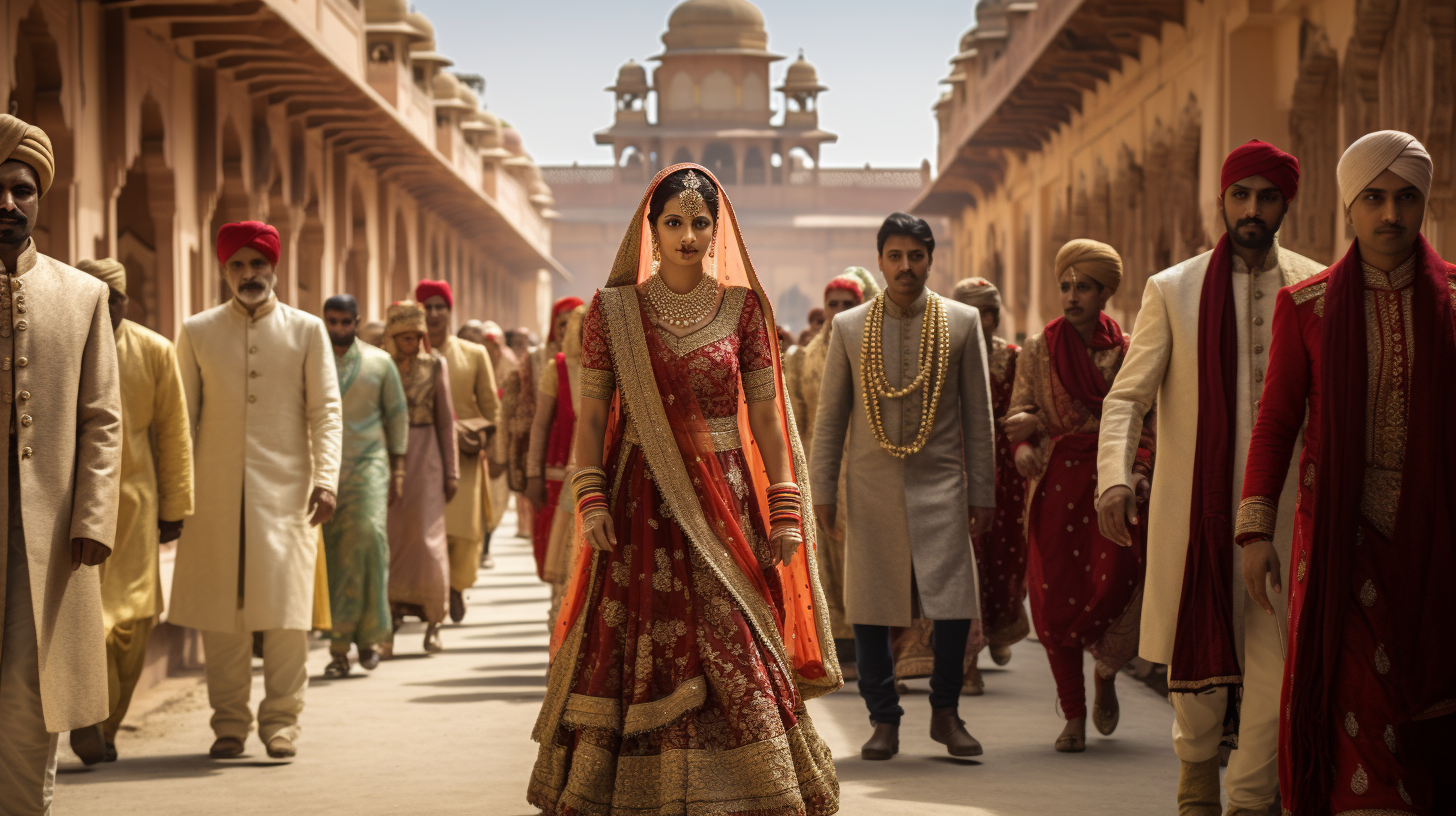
[
  {"x": 934, "y": 354},
  {"x": 682, "y": 310}
]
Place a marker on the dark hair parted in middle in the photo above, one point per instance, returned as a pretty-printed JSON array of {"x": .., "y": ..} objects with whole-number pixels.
[
  {"x": 342, "y": 303},
  {"x": 674, "y": 184},
  {"x": 909, "y": 226}
]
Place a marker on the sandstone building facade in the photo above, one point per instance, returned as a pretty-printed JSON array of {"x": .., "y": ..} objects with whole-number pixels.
[
  {"x": 334, "y": 120},
  {"x": 1109, "y": 119}
]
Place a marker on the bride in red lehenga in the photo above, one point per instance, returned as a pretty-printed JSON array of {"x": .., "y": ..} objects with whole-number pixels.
[{"x": 694, "y": 627}]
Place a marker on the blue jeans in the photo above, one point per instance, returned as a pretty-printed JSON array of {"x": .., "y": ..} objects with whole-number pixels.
[{"x": 876, "y": 665}]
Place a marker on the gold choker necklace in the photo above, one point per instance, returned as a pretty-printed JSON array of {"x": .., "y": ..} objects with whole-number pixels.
[{"x": 682, "y": 310}]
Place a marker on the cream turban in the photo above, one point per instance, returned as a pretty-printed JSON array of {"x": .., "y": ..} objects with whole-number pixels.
[
  {"x": 107, "y": 270},
  {"x": 1374, "y": 153},
  {"x": 978, "y": 293},
  {"x": 1093, "y": 259},
  {"x": 27, "y": 143},
  {"x": 867, "y": 281}
]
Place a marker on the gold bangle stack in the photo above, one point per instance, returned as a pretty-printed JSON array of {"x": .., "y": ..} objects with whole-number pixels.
[{"x": 934, "y": 353}]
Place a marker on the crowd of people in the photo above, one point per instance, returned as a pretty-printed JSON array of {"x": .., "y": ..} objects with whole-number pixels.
[{"x": 732, "y": 523}]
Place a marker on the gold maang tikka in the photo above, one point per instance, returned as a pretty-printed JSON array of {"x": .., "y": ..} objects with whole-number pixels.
[{"x": 690, "y": 199}]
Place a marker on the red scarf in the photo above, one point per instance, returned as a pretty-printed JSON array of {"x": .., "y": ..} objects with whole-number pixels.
[
  {"x": 1074, "y": 366},
  {"x": 1419, "y": 640},
  {"x": 1204, "y": 654},
  {"x": 563, "y": 425}
]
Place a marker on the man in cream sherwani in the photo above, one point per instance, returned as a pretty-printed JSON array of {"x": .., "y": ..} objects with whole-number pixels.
[
  {"x": 1164, "y": 363},
  {"x": 263, "y": 397},
  {"x": 917, "y": 490}
]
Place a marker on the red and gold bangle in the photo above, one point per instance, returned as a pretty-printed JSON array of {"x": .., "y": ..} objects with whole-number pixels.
[{"x": 590, "y": 486}]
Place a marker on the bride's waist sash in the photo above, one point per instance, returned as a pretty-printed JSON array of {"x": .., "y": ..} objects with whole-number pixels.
[{"x": 723, "y": 430}]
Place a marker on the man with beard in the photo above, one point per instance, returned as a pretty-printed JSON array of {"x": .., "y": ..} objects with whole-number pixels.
[
  {"x": 803, "y": 376},
  {"x": 920, "y": 482},
  {"x": 263, "y": 398},
  {"x": 63, "y": 457},
  {"x": 1200, "y": 350},
  {"x": 1363, "y": 357},
  {"x": 156, "y": 495},
  {"x": 371, "y": 477},
  {"x": 477, "y": 407}
]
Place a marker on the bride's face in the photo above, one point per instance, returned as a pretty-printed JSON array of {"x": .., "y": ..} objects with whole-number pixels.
[{"x": 683, "y": 241}]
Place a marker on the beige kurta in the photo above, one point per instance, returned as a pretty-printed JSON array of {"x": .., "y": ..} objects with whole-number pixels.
[
  {"x": 1162, "y": 364},
  {"x": 61, "y": 389},
  {"x": 908, "y": 517},
  {"x": 472, "y": 385},
  {"x": 156, "y": 472},
  {"x": 263, "y": 399}
]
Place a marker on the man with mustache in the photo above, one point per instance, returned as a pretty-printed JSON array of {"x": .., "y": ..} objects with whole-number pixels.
[
  {"x": 1365, "y": 351},
  {"x": 156, "y": 495},
  {"x": 1200, "y": 350},
  {"x": 905, "y": 385},
  {"x": 477, "y": 407},
  {"x": 263, "y": 397},
  {"x": 63, "y": 453}
]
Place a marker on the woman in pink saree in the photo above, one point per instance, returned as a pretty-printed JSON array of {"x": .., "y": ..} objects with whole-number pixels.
[{"x": 694, "y": 627}]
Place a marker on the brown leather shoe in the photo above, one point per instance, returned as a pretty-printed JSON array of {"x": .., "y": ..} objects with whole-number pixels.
[
  {"x": 89, "y": 744},
  {"x": 281, "y": 747},
  {"x": 883, "y": 744},
  {"x": 948, "y": 729},
  {"x": 457, "y": 606},
  {"x": 226, "y": 748}
]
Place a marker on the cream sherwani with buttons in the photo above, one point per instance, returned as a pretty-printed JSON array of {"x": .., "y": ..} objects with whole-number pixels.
[
  {"x": 1162, "y": 365},
  {"x": 62, "y": 399},
  {"x": 909, "y": 519},
  {"x": 263, "y": 398}
]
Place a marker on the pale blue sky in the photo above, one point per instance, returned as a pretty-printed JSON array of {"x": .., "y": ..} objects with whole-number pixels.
[{"x": 546, "y": 63}]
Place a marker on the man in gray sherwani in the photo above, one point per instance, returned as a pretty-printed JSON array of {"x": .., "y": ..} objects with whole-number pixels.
[{"x": 917, "y": 490}]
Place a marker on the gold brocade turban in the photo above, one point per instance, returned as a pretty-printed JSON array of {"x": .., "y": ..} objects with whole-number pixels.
[
  {"x": 27, "y": 143},
  {"x": 107, "y": 270},
  {"x": 977, "y": 293},
  {"x": 1374, "y": 153},
  {"x": 1093, "y": 259},
  {"x": 404, "y": 316}
]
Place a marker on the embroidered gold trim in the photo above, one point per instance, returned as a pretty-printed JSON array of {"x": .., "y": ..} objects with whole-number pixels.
[
  {"x": 758, "y": 386},
  {"x": 597, "y": 384},
  {"x": 1371, "y": 812},
  {"x": 1307, "y": 293},
  {"x": 644, "y": 717},
  {"x": 1352, "y": 725},
  {"x": 638, "y": 386},
  {"x": 1382, "y": 663},
  {"x": 721, "y": 326},
  {"x": 781, "y": 773},
  {"x": 1360, "y": 781},
  {"x": 1257, "y": 515},
  {"x": 1309, "y": 475},
  {"x": 592, "y": 712},
  {"x": 1368, "y": 595},
  {"x": 562, "y": 674},
  {"x": 1400, "y": 789},
  {"x": 1390, "y": 738},
  {"x": 722, "y": 430},
  {"x": 1302, "y": 569},
  {"x": 1199, "y": 685}
]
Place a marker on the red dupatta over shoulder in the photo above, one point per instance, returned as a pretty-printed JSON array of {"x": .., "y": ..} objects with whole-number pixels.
[
  {"x": 1204, "y": 652},
  {"x": 794, "y": 624},
  {"x": 1074, "y": 366}
]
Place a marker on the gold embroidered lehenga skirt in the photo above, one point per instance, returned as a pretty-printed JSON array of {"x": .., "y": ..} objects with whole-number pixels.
[{"x": 673, "y": 705}]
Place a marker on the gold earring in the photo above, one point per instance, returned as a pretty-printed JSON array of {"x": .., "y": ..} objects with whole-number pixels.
[
  {"x": 713, "y": 242},
  {"x": 656, "y": 255}
]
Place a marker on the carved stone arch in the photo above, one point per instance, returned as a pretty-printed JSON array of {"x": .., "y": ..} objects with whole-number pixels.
[
  {"x": 1314, "y": 125},
  {"x": 145, "y": 221}
]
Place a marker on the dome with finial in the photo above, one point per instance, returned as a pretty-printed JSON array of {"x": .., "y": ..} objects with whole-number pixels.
[
  {"x": 389, "y": 17},
  {"x": 715, "y": 25},
  {"x": 631, "y": 78},
  {"x": 424, "y": 50},
  {"x": 802, "y": 76}
]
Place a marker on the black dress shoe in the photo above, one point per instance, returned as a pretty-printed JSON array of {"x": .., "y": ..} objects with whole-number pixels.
[
  {"x": 457, "y": 606},
  {"x": 883, "y": 744},
  {"x": 369, "y": 659}
]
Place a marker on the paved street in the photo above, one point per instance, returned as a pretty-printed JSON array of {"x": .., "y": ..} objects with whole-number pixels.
[{"x": 449, "y": 733}]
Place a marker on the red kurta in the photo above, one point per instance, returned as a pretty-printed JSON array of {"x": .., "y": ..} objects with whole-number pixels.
[{"x": 1373, "y": 734}]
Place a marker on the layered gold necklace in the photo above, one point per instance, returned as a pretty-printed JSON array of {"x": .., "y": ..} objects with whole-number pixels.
[
  {"x": 682, "y": 310},
  {"x": 934, "y": 359}
]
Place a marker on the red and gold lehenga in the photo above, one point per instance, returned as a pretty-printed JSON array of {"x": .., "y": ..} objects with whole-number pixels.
[{"x": 682, "y": 659}]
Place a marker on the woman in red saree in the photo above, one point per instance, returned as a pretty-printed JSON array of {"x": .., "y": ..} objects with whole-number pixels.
[
  {"x": 1086, "y": 591},
  {"x": 694, "y": 628}
]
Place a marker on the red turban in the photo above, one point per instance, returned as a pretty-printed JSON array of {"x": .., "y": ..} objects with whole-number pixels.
[
  {"x": 848, "y": 284},
  {"x": 1258, "y": 158},
  {"x": 255, "y": 234},
  {"x": 566, "y": 304},
  {"x": 427, "y": 289}
]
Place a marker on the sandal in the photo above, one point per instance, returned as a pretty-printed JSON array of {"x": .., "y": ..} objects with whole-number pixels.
[{"x": 338, "y": 668}]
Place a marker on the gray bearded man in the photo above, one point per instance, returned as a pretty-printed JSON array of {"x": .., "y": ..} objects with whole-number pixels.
[{"x": 911, "y": 348}]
